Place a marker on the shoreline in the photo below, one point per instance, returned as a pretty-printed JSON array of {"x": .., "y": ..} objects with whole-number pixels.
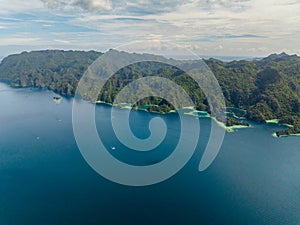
[
  {"x": 273, "y": 121},
  {"x": 290, "y": 135},
  {"x": 230, "y": 129},
  {"x": 202, "y": 114},
  {"x": 277, "y": 121},
  {"x": 193, "y": 112}
]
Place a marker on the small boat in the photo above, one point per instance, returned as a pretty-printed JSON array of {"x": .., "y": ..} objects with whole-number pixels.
[
  {"x": 57, "y": 100},
  {"x": 113, "y": 148}
]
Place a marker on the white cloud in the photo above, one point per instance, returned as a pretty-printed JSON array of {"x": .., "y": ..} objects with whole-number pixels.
[
  {"x": 228, "y": 4},
  {"x": 62, "y": 41},
  {"x": 17, "y": 41},
  {"x": 241, "y": 27},
  {"x": 86, "y": 5},
  {"x": 19, "y": 6}
]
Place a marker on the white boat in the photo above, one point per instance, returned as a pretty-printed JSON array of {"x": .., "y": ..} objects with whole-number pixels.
[{"x": 57, "y": 100}]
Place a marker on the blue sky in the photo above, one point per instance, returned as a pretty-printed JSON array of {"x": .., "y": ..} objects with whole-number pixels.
[{"x": 206, "y": 27}]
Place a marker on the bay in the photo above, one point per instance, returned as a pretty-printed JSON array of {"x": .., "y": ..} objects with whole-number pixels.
[{"x": 255, "y": 179}]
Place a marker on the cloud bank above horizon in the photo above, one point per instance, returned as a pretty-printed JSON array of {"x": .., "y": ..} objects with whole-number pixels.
[{"x": 206, "y": 27}]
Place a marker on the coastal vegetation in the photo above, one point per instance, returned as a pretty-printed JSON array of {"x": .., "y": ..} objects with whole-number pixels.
[{"x": 266, "y": 89}]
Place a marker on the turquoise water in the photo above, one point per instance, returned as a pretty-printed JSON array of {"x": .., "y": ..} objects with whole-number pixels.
[{"x": 44, "y": 179}]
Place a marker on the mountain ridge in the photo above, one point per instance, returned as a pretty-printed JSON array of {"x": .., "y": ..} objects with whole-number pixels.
[{"x": 268, "y": 88}]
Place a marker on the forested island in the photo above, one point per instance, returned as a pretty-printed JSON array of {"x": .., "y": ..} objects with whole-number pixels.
[{"x": 266, "y": 89}]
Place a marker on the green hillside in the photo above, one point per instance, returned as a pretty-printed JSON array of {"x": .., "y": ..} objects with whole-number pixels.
[{"x": 268, "y": 88}]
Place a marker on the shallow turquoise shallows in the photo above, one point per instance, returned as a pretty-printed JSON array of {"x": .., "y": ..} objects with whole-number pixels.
[{"x": 44, "y": 179}]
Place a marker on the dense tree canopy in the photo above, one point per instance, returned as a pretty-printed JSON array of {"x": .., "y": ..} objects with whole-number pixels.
[{"x": 268, "y": 88}]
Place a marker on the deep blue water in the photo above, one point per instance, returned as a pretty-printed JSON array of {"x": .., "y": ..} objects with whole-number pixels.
[{"x": 44, "y": 179}]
